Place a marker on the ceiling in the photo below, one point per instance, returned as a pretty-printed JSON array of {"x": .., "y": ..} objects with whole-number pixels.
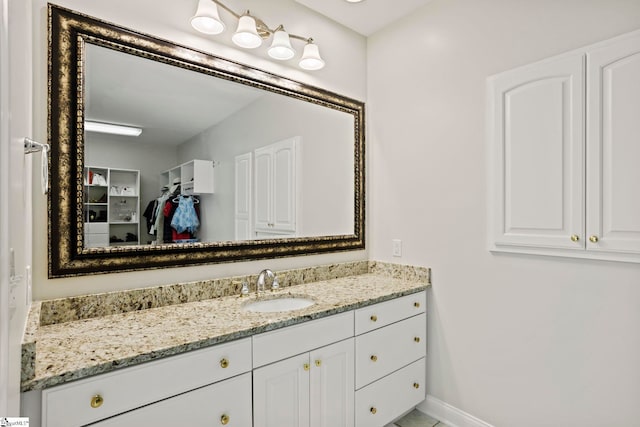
[{"x": 365, "y": 17}]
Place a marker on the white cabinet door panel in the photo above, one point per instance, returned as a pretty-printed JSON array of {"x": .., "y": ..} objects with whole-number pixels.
[
  {"x": 332, "y": 385},
  {"x": 613, "y": 144},
  {"x": 538, "y": 136},
  {"x": 281, "y": 393}
]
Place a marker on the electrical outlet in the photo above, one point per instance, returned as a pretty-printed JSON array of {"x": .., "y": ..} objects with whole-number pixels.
[{"x": 397, "y": 247}]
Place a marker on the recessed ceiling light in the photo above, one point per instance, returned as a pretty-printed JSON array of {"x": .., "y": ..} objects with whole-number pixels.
[
  {"x": 354, "y": 1},
  {"x": 111, "y": 128}
]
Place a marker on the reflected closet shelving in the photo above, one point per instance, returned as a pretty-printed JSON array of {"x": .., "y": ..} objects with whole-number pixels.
[{"x": 111, "y": 206}]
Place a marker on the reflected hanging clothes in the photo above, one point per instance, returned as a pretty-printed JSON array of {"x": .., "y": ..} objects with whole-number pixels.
[{"x": 185, "y": 218}]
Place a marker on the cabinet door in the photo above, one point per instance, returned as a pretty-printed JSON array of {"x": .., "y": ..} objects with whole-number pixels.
[
  {"x": 281, "y": 393},
  {"x": 613, "y": 148},
  {"x": 332, "y": 385},
  {"x": 284, "y": 186},
  {"x": 263, "y": 189},
  {"x": 224, "y": 403},
  {"x": 243, "y": 166},
  {"x": 537, "y": 134}
]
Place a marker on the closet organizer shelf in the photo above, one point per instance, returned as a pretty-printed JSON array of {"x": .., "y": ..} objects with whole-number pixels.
[{"x": 112, "y": 206}]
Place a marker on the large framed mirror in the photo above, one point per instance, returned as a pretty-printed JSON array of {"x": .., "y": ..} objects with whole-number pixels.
[{"x": 229, "y": 162}]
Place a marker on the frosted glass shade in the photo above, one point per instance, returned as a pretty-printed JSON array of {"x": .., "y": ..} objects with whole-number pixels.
[
  {"x": 281, "y": 46},
  {"x": 246, "y": 35},
  {"x": 206, "y": 20},
  {"x": 311, "y": 58}
]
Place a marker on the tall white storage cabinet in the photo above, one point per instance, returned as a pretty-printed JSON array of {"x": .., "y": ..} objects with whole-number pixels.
[
  {"x": 275, "y": 187},
  {"x": 556, "y": 189}
]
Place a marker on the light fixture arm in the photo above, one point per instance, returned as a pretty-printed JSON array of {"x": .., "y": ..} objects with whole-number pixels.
[{"x": 263, "y": 29}]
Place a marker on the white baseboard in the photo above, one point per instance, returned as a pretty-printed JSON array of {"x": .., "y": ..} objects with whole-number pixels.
[{"x": 449, "y": 415}]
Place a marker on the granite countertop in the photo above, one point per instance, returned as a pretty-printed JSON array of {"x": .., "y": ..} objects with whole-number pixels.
[{"x": 78, "y": 349}]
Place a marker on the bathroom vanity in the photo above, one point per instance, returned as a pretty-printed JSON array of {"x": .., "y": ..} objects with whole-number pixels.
[{"x": 356, "y": 357}]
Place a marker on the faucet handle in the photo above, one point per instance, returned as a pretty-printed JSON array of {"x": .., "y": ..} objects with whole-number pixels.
[
  {"x": 275, "y": 284},
  {"x": 245, "y": 289}
]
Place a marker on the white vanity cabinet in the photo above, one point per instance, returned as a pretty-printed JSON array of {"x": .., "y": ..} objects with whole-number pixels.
[
  {"x": 315, "y": 387},
  {"x": 390, "y": 359},
  {"x": 103, "y": 396},
  {"x": 565, "y": 154},
  {"x": 362, "y": 367}
]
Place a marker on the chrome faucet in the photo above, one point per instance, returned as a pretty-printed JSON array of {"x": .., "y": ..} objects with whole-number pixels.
[{"x": 261, "y": 281}]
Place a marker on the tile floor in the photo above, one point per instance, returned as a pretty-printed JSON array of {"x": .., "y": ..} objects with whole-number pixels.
[{"x": 417, "y": 419}]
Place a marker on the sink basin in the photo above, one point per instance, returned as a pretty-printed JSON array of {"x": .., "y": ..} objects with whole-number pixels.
[{"x": 283, "y": 303}]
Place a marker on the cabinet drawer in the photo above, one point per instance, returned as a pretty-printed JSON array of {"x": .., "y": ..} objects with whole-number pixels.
[
  {"x": 385, "y": 313},
  {"x": 282, "y": 343},
  {"x": 96, "y": 228},
  {"x": 385, "y": 350},
  {"x": 383, "y": 401},
  {"x": 70, "y": 404},
  {"x": 227, "y": 402}
]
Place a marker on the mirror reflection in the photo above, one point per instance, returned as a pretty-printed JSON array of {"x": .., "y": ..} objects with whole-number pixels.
[{"x": 214, "y": 160}]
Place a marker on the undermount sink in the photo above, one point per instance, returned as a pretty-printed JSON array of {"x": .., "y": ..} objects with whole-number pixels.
[{"x": 283, "y": 303}]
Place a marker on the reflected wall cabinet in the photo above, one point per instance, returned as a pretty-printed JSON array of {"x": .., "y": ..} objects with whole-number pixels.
[
  {"x": 111, "y": 206},
  {"x": 195, "y": 177},
  {"x": 275, "y": 188},
  {"x": 564, "y": 138}
]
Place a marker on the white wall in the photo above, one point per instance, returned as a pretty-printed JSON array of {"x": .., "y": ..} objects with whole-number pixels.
[
  {"x": 343, "y": 50},
  {"x": 514, "y": 340},
  {"x": 325, "y": 154}
]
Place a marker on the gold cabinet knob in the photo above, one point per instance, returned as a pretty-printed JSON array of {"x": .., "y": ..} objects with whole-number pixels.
[
  {"x": 374, "y": 358},
  {"x": 306, "y": 366},
  {"x": 97, "y": 401},
  {"x": 593, "y": 239},
  {"x": 416, "y": 304},
  {"x": 224, "y": 419},
  {"x": 575, "y": 237},
  {"x": 318, "y": 363},
  {"x": 373, "y": 410},
  {"x": 416, "y": 339},
  {"x": 374, "y": 318},
  {"x": 224, "y": 363},
  {"x": 416, "y": 385}
]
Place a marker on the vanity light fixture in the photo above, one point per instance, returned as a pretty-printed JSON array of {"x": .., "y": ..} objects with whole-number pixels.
[
  {"x": 111, "y": 128},
  {"x": 251, "y": 31}
]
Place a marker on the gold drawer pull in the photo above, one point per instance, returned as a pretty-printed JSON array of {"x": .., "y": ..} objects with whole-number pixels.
[
  {"x": 306, "y": 366},
  {"x": 374, "y": 318},
  {"x": 224, "y": 419},
  {"x": 97, "y": 401},
  {"x": 318, "y": 363},
  {"x": 593, "y": 239},
  {"x": 373, "y": 410},
  {"x": 416, "y": 304},
  {"x": 416, "y": 385},
  {"x": 224, "y": 363},
  {"x": 374, "y": 358},
  {"x": 416, "y": 339},
  {"x": 575, "y": 237}
]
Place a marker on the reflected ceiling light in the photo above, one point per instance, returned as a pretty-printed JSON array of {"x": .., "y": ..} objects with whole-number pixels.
[
  {"x": 251, "y": 31},
  {"x": 206, "y": 20},
  {"x": 111, "y": 128},
  {"x": 311, "y": 57}
]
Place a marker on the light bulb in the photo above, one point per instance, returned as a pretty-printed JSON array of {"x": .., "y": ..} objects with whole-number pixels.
[
  {"x": 311, "y": 58},
  {"x": 281, "y": 47}
]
